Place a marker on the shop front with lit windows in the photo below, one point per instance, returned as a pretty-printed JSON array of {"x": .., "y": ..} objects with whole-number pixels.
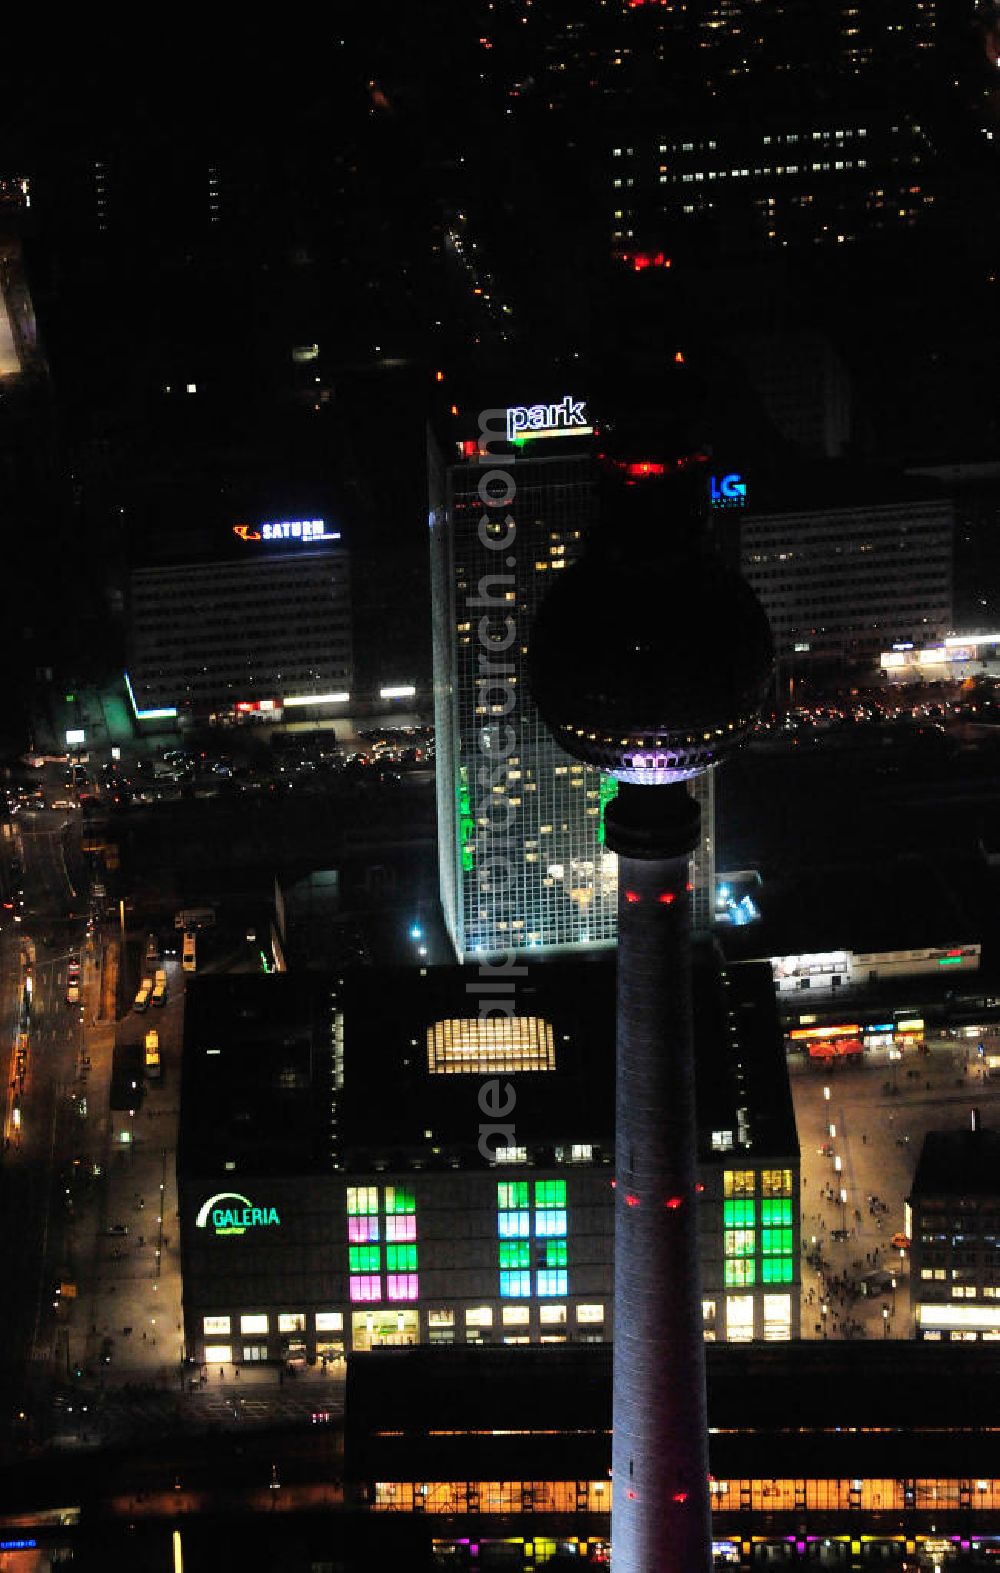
[{"x": 338, "y": 1200}]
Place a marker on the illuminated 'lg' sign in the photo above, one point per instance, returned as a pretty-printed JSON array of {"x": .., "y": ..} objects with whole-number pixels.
[{"x": 729, "y": 492}]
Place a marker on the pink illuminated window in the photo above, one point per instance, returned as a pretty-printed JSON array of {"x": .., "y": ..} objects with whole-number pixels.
[
  {"x": 365, "y": 1286},
  {"x": 401, "y": 1286},
  {"x": 401, "y": 1228},
  {"x": 361, "y": 1230}
]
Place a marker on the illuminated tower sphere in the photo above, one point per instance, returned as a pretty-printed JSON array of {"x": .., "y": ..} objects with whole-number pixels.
[{"x": 654, "y": 668}]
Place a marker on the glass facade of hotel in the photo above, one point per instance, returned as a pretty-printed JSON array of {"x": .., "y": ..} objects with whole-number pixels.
[{"x": 523, "y": 864}]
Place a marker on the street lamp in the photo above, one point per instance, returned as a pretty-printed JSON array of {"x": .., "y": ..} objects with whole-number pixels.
[
  {"x": 826, "y": 1093},
  {"x": 843, "y": 1208},
  {"x": 885, "y": 1321}
]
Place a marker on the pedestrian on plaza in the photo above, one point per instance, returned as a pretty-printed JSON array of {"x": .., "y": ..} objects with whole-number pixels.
[
  {"x": 221, "y": 1374},
  {"x": 236, "y": 1373}
]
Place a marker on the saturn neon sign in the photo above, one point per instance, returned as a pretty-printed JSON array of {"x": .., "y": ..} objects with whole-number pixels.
[{"x": 229, "y": 1218}]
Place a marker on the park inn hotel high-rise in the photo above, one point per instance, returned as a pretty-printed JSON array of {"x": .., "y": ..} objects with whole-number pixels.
[{"x": 523, "y": 865}]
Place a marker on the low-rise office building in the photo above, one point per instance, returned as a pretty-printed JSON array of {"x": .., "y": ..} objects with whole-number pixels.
[
  {"x": 842, "y": 582},
  {"x": 953, "y": 1220},
  {"x": 257, "y": 625},
  {"x": 368, "y": 1161}
]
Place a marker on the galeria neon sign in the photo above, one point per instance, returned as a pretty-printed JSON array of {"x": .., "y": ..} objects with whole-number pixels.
[
  {"x": 234, "y": 1220},
  {"x": 567, "y": 419},
  {"x": 287, "y": 530}
]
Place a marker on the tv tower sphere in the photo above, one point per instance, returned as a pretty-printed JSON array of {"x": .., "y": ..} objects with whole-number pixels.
[{"x": 653, "y": 668}]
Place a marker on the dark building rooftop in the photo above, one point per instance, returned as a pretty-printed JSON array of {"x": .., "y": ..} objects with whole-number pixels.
[
  {"x": 895, "y": 1410},
  {"x": 255, "y": 1086},
  {"x": 262, "y": 1066},
  {"x": 958, "y": 1163}
]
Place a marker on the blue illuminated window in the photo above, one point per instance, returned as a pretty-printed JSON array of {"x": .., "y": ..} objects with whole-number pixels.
[
  {"x": 550, "y": 1221},
  {"x": 552, "y": 1281},
  {"x": 513, "y": 1226},
  {"x": 516, "y": 1286}
]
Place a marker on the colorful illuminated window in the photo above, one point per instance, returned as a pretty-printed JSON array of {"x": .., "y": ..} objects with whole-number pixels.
[
  {"x": 550, "y": 1193},
  {"x": 741, "y": 1182},
  {"x": 550, "y": 1222},
  {"x": 740, "y": 1273},
  {"x": 365, "y": 1288},
  {"x": 740, "y": 1242},
  {"x": 513, "y": 1193},
  {"x": 550, "y": 1283},
  {"x": 399, "y": 1199},
  {"x": 515, "y": 1253},
  {"x": 511, "y": 1226},
  {"x": 400, "y": 1259},
  {"x": 777, "y": 1213},
  {"x": 365, "y": 1256},
  {"x": 776, "y": 1182},
  {"x": 776, "y": 1242},
  {"x": 515, "y": 1286},
  {"x": 739, "y": 1215},
  {"x": 555, "y": 1253},
  {"x": 362, "y": 1199},
  {"x": 400, "y": 1228},
  {"x": 401, "y": 1286},
  {"x": 777, "y": 1270}
]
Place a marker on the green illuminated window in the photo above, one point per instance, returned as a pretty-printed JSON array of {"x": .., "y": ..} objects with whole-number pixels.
[
  {"x": 550, "y": 1193},
  {"x": 776, "y": 1182},
  {"x": 555, "y": 1253},
  {"x": 778, "y": 1213},
  {"x": 364, "y": 1258},
  {"x": 777, "y": 1270},
  {"x": 399, "y": 1199},
  {"x": 515, "y": 1253},
  {"x": 400, "y": 1258},
  {"x": 739, "y": 1215},
  {"x": 512, "y": 1193},
  {"x": 776, "y": 1242},
  {"x": 740, "y": 1273},
  {"x": 740, "y": 1182},
  {"x": 740, "y": 1242},
  {"x": 362, "y": 1199}
]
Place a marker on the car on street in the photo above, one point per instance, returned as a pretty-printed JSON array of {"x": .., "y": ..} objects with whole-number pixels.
[{"x": 118, "y": 1228}]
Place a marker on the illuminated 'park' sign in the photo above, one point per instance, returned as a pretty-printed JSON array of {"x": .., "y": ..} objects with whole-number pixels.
[
  {"x": 568, "y": 419},
  {"x": 227, "y": 1217},
  {"x": 287, "y": 530},
  {"x": 729, "y": 492}
]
